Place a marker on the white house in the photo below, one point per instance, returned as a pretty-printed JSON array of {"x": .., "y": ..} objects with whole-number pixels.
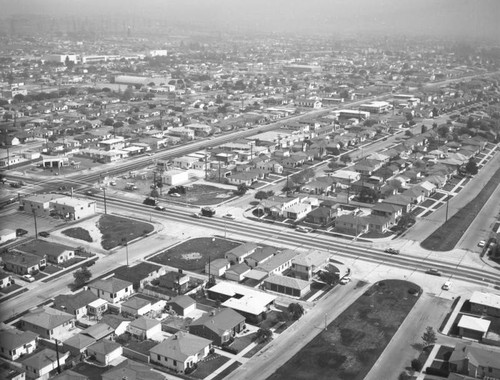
[{"x": 112, "y": 289}]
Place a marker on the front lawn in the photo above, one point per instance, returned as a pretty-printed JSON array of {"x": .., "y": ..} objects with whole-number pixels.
[
  {"x": 353, "y": 342},
  {"x": 78, "y": 233},
  {"x": 206, "y": 195},
  {"x": 115, "y": 228},
  {"x": 192, "y": 255},
  {"x": 209, "y": 365}
]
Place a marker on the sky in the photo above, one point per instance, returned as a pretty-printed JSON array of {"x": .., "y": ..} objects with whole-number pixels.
[{"x": 451, "y": 18}]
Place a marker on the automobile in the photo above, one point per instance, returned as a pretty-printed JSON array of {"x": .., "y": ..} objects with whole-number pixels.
[
  {"x": 28, "y": 278},
  {"x": 303, "y": 229},
  {"x": 112, "y": 183},
  {"x": 446, "y": 285},
  {"x": 392, "y": 251},
  {"x": 44, "y": 234},
  {"x": 228, "y": 216},
  {"x": 345, "y": 280},
  {"x": 196, "y": 215},
  {"x": 433, "y": 272},
  {"x": 21, "y": 232},
  {"x": 160, "y": 208},
  {"x": 177, "y": 195},
  {"x": 481, "y": 244}
]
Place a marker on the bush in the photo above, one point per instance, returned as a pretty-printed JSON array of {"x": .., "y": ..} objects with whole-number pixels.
[
  {"x": 437, "y": 372},
  {"x": 231, "y": 350},
  {"x": 416, "y": 365}
]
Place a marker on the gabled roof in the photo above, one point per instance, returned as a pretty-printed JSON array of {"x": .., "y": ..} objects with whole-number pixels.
[
  {"x": 98, "y": 331},
  {"x": 136, "y": 302},
  {"x": 114, "y": 321},
  {"x": 277, "y": 260},
  {"x": 43, "y": 358},
  {"x": 48, "y": 318},
  {"x": 239, "y": 268},
  {"x": 288, "y": 282},
  {"x": 105, "y": 346},
  {"x": 180, "y": 346},
  {"x": 183, "y": 301},
  {"x": 137, "y": 272},
  {"x": 131, "y": 370},
  {"x": 224, "y": 320},
  {"x": 243, "y": 250},
  {"x": 13, "y": 338},
  {"x": 314, "y": 258},
  {"x": 486, "y": 356},
  {"x": 79, "y": 341},
  {"x": 74, "y": 301}
]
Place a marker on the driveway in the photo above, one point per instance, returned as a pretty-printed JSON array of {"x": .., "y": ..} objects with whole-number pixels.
[{"x": 406, "y": 343}]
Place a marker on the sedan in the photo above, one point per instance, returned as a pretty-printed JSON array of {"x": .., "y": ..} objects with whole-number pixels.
[
  {"x": 481, "y": 244},
  {"x": 21, "y": 232},
  {"x": 392, "y": 251},
  {"x": 177, "y": 195},
  {"x": 44, "y": 234},
  {"x": 228, "y": 216}
]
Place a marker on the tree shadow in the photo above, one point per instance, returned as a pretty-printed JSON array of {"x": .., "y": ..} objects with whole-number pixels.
[{"x": 417, "y": 346}]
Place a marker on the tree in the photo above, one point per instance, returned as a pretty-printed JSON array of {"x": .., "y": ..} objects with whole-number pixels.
[
  {"x": 443, "y": 131},
  {"x": 423, "y": 129},
  {"x": 109, "y": 122},
  {"x": 345, "y": 158},
  {"x": 416, "y": 365},
  {"x": 296, "y": 310},
  {"x": 261, "y": 195},
  {"x": 82, "y": 276},
  {"x": 471, "y": 167},
  {"x": 329, "y": 277},
  {"x": 368, "y": 195},
  {"x": 242, "y": 189},
  {"x": 429, "y": 336},
  {"x": 264, "y": 335}
]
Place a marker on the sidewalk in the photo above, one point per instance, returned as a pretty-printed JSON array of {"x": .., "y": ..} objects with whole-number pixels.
[
  {"x": 429, "y": 361},
  {"x": 453, "y": 316}
]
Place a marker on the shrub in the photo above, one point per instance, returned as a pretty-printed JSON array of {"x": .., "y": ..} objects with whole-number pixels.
[
  {"x": 231, "y": 350},
  {"x": 437, "y": 371},
  {"x": 416, "y": 365}
]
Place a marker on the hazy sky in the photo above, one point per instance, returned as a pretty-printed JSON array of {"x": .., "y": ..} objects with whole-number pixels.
[{"x": 461, "y": 18}]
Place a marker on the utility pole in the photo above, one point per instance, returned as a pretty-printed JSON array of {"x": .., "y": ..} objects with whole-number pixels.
[
  {"x": 105, "y": 209},
  {"x": 447, "y": 202},
  {"x": 57, "y": 356},
  {"x": 36, "y": 229}
]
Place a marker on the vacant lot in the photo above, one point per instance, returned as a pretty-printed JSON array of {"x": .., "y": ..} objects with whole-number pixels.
[
  {"x": 447, "y": 236},
  {"x": 202, "y": 195},
  {"x": 78, "y": 233},
  {"x": 115, "y": 230},
  {"x": 193, "y": 254},
  {"x": 354, "y": 341}
]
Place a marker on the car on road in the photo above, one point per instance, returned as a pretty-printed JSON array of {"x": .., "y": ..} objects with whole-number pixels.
[
  {"x": 112, "y": 183},
  {"x": 44, "y": 234},
  {"x": 446, "y": 285},
  {"x": 433, "y": 272},
  {"x": 345, "y": 280},
  {"x": 160, "y": 208},
  {"x": 228, "y": 216},
  {"x": 28, "y": 278},
  {"x": 303, "y": 229},
  {"x": 392, "y": 251},
  {"x": 196, "y": 215},
  {"x": 481, "y": 244},
  {"x": 21, "y": 232},
  {"x": 177, "y": 195}
]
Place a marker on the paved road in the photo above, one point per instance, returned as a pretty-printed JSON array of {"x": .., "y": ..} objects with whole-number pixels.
[{"x": 404, "y": 346}]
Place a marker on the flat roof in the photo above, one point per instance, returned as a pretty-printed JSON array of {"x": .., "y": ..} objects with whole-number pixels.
[
  {"x": 486, "y": 299},
  {"x": 251, "y": 301}
]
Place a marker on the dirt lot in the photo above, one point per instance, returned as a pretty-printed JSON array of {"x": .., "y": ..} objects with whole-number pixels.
[{"x": 351, "y": 344}]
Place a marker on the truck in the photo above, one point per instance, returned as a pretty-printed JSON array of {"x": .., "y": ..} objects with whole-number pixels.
[{"x": 207, "y": 211}]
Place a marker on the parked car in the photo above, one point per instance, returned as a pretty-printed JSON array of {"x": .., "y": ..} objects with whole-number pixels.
[
  {"x": 28, "y": 278},
  {"x": 481, "y": 244},
  {"x": 344, "y": 280},
  {"x": 433, "y": 272},
  {"x": 228, "y": 216},
  {"x": 303, "y": 229},
  {"x": 177, "y": 195},
  {"x": 44, "y": 234},
  {"x": 446, "y": 285},
  {"x": 112, "y": 183},
  {"x": 21, "y": 232},
  {"x": 392, "y": 251}
]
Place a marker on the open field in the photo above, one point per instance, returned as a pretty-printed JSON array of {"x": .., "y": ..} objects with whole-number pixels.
[
  {"x": 115, "y": 229},
  {"x": 447, "y": 236},
  {"x": 351, "y": 344},
  {"x": 193, "y": 254}
]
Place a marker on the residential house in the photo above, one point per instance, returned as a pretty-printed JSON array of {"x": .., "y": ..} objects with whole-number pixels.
[
  {"x": 351, "y": 224},
  {"x": 176, "y": 281},
  {"x": 237, "y": 272},
  {"x": 217, "y": 267},
  {"x": 220, "y": 327},
  {"x": 307, "y": 264},
  {"x": 78, "y": 344},
  {"x": 322, "y": 185},
  {"x": 298, "y": 211},
  {"x": 105, "y": 351},
  {"x": 118, "y": 323},
  {"x": 136, "y": 306},
  {"x": 49, "y": 323},
  {"x": 238, "y": 254},
  {"x": 15, "y": 343},
  {"x": 290, "y": 286},
  {"x": 23, "y": 263},
  {"x": 140, "y": 274},
  {"x": 145, "y": 328},
  {"x": 98, "y": 331},
  {"x": 132, "y": 370},
  {"x": 112, "y": 289},
  {"x": 182, "y": 305},
  {"x": 244, "y": 178},
  {"x": 75, "y": 304},
  {"x": 43, "y": 364},
  {"x": 485, "y": 303},
  {"x": 322, "y": 216},
  {"x": 5, "y": 280},
  {"x": 278, "y": 263},
  {"x": 7, "y": 235},
  {"x": 470, "y": 327},
  {"x": 55, "y": 253},
  {"x": 180, "y": 352},
  {"x": 272, "y": 166},
  {"x": 259, "y": 256},
  {"x": 401, "y": 201},
  {"x": 391, "y": 211},
  {"x": 476, "y": 361}
]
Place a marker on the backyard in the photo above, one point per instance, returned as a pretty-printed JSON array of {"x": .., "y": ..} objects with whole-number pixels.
[
  {"x": 192, "y": 255},
  {"x": 351, "y": 344}
]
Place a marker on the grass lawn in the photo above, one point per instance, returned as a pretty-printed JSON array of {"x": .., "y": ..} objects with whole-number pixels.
[
  {"x": 241, "y": 342},
  {"x": 427, "y": 203},
  {"x": 91, "y": 371},
  {"x": 353, "y": 342},
  {"x": 254, "y": 350},
  {"x": 51, "y": 269},
  {"x": 444, "y": 353},
  {"x": 447, "y": 236},
  {"x": 208, "y": 366},
  {"x": 115, "y": 228},
  {"x": 205, "y": 195},
  {"x": 10, "y": 289},
  {"x": 227, "y": 371},
  {"x": 193, "y": 254},
  {"x": 78, "y": 233}
]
